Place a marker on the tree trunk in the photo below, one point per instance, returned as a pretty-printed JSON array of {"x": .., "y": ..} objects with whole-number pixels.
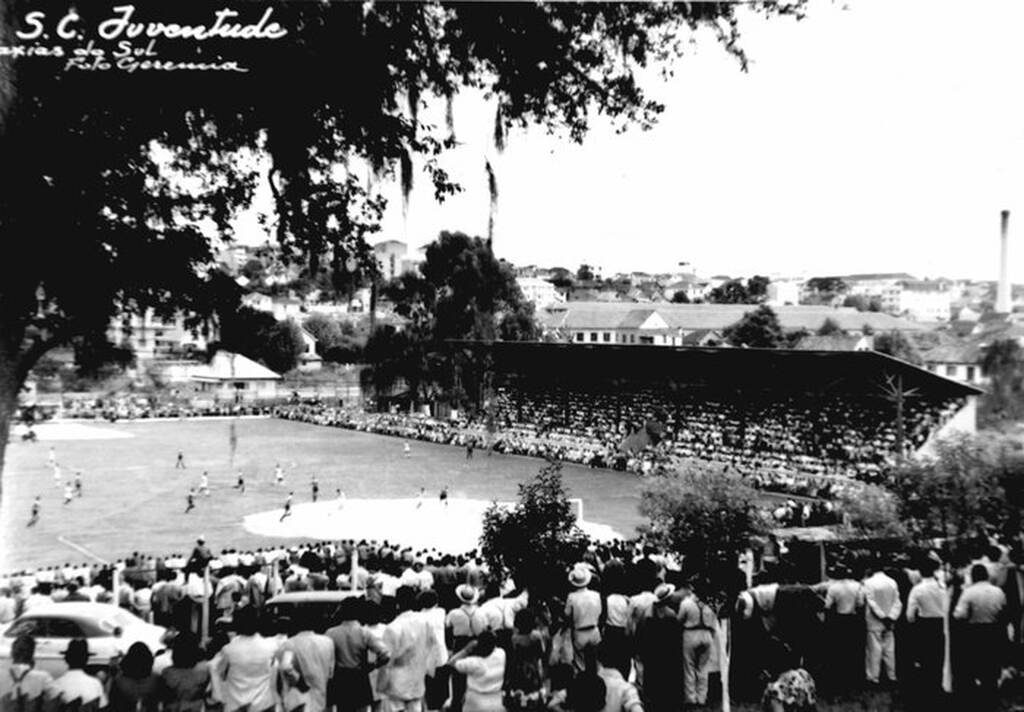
[{"x": 10, "y": 385}]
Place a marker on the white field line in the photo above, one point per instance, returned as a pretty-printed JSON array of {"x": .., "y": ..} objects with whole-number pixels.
[{"x": 81, "y": 549}]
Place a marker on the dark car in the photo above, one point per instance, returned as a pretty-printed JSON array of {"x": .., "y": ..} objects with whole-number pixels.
[{"x": 322, "y": 605}]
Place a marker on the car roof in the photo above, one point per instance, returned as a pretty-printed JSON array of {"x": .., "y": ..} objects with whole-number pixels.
[
  {"x": 313, "y": 596},
  {"x": 76, "y": 609}
]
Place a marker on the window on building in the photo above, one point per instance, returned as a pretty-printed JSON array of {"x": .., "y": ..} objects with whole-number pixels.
[
  {"x": 970, "y": 373},
  {"x": 950, "y": 370},
  {"x": 579, "y": 336},
  {"x": 241, "y": 385},
  {"x": 593, "y": 336},
  {"x": 646, "y": 339},
  {"x": 607, "y": 337},
  {"x": 632, "y": 338}
]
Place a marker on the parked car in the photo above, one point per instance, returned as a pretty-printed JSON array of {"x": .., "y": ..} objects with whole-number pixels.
[
  {"x": 109, "y": 630},
  {"x": 323, "y": 605}
]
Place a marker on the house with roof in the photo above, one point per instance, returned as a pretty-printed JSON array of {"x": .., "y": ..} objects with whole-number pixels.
[
  {"x": 668, "y": 324},
  {"x": 309, "y": 359},
  {"x": 960, "y": 361},
  {"x": 233, "y": 378},
  {"x": 836, "y": 342}
]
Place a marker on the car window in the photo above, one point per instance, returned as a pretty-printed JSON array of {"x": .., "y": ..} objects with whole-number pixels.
[
  {"x": 63, "y": 628},
  {"x": 26, "y": 626}
]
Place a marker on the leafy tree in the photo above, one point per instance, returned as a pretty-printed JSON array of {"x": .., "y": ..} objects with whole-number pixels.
[
  {"x": 757, "y": 288},
  {"x": 862, "y": 302},
  {"x": 680, "y": 297},
  {"x": 1003, "y": 363},
  {"x": 828, "y": 327},
  {"x": 867, "y": 329},
  {"x": 125, "y": 224},
  {"x": 253, "y": 270},
  {"x": 324, "y": 329},
  {"x": 827, "y": 286},
  {"x": 585, "y": 273},
  {"x": 731, "y": 292},
  {"x": 244, "y": 331},
  {"x": 283, "y": 347},
  {"x": 537, "y": 540},
  {"x": 871, "y": 511},
  {"x": 520, "y": 324},
  {"x": 791, "y": 339},
  {"x": 93, "y": 355},
  {"x": 757, "y": 329},
  {"x": 957, "y": 494},
  {"x": 895, "y": 344},
  {"x": 708, "y": 516}
]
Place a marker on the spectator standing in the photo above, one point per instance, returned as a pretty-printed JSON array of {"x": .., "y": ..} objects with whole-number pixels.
[
  {"x": 243, "y": 671},
  {"x": 525, "y": 665},
  {"x": 22, "y": 687},
  {"x": 135, "y": 687},
  {"x": 312, "y": 658},
  {"x": 927, "y": 607},
  {"x": 413, "y": 649},
  {"x": 185, "y": 682},
  {"x": 76, "y": 686},
  {"x": 660, "y": 649},
  {"x": 351, "y": 690},
  {"x": 982, "y": 607},
  {"x": 583, "y": 611},
  {"x": 882, "y": 609},
  {"x": 483, "y": 664},
  {"x": 698, "y": 622}
]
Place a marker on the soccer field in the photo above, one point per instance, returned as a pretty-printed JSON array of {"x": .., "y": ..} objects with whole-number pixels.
[{"x": 134, "y": 497}]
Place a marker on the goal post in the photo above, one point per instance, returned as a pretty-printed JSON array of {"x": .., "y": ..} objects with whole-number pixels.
[{"x": 577, "y": 508}]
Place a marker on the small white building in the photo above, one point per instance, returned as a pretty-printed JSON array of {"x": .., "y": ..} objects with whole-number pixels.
[
  {"x": 309, "y": 359},
  {"x": 539, "y": 292},
  {"x": 233, "y": 378},
  {"x": 783, "y": 293}
]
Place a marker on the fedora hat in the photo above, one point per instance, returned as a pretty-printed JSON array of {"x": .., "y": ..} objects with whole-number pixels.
[
  {"x": 467, "y": 593},
  {"x": 663, "y": 591},
  {"x": 78, "y": 646},
  {"x": 579, "y": 576}
]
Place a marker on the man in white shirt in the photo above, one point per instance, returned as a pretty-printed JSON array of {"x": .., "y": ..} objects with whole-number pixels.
[
  {"x": 927, "y": 605},
  {"x": 76, "y": 684},
  {"x": 882, "y": 608},
  {"x": 620, "y": 695}
]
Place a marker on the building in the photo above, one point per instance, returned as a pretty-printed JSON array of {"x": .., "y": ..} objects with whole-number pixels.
[
  {"x": 395, "y": 258},
  {"x": 873, "y": 284},
  {"x": 539, "y": 292},
  {"x": 309, "y": 359},
  {"x": 836, "y": 342},
  {"x": 783, "y": 293},
  {"x": 961, "y": 362},
  {"x": 153, "y": 337},
  {"x": 921, "y": 300},
  {"x": 233, "y": 378},
  {"x": 667, "y": 324}
]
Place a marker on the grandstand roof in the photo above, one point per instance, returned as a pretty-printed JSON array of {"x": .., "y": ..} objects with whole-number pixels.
[
  {"x": 857, "y": 373},
  {"x": 618, "y": 315},
  {"x": 227, "y": 366}
]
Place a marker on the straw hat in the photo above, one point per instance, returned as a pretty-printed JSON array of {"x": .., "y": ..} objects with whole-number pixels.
[
  {"x": 580, "y": 577},
  {"x": 467, "y": 593},
  {"x": 663, "y": 591}
]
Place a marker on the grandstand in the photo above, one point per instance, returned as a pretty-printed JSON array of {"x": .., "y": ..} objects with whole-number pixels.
[{"x": 806, "y": 412}]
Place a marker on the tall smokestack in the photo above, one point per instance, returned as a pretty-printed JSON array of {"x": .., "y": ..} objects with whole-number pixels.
[{"x": 1003, "y": 293}]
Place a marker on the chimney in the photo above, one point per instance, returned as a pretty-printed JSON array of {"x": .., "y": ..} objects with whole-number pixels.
[{"x": 1003, "y": 290}]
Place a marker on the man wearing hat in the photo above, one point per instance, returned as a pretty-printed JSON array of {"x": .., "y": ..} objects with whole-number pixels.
[
  {"x": 76, "y": 684},
  {"x": 459, "y": 631},
  {"x": 659, "y": 644},
  {"x": 201, "y": 556},
  {"x": 583, "y": 609}
]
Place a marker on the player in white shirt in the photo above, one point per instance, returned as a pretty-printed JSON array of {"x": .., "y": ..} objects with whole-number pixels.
[
  {"x": 52, "y": 457},
  {"x": 69, "y": 493},
  {"x": 419, "y": 498},
  {"x": 204, "y": 484},
  {"x": 57, "y": 478},
  {"x": 340, "y": 499},
  {"x": 406, "y": 449},
  {"x": 278, "y": 474}
]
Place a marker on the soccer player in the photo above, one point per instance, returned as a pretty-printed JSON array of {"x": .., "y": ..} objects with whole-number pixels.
[
  {"x": 191, "y": 499},
  {"x": 316, "y": 488},
  {"x": 341, "y": 499},
  {"x": 240, "y": 486},
  {"x": 52, "y": 457},
  {"x": 57, "y": 479},
  {"x": 444, "y": 495},
  {"x": 469, "y": 450},
  {"x": 69, "y": 493},
  {"x": 406, "y": 449},
  {"x": 278, "y": 474},
  {"x": 180, "y": 463},
  {"x": 287, "y": 507},
  {"x": 204, "y": 484},
  {"x": 78, "y": 484},
  {"x": 36, "y": 506},
  {"x": 419, "y": 499}
]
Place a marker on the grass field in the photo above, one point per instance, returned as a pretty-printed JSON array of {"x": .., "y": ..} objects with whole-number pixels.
[{"x": 134, "y": 498}]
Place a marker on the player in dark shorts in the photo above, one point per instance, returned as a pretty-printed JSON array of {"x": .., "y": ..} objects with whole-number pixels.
[
  {"x": 240, "y": 486},
  {"x": 316, "y": 488},
  {"x": 191, "y": 499},
  {"x": 444, "y": 495},
  {"x": 469, "y": 450},
  {"x": 287, "y": 507},
  {"x": 36, "y": 506},
  {"x": 78, "y": 484},
  {"x": 180, "y": 463}
]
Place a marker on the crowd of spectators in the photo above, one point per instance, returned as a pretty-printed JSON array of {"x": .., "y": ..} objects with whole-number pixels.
[
  {"x": 142, "y": 409},
  {"x": 440, "y": 631}
]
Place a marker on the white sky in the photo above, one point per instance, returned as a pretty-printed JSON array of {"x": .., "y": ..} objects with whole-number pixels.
[{"x": 871, "y": 136}]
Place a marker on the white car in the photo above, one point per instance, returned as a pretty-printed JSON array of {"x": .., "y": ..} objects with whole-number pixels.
[{"x": 109, "y": 630}]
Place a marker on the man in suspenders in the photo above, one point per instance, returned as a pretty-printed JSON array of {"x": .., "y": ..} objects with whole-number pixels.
[
  {"x": 699, "y": 621},
  {"x": 459, "y": 628}
]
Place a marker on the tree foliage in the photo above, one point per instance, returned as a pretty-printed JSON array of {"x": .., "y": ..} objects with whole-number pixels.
[
  {"x": 1003, "y": 363},
  {"x": 158, "y": 156},
  {"x": 871, "y": 511},
  {"x": 757, "y": 329},
  {"x": 708, "y": 516},
  {"x": 828, "y": 327},
  {"x": 895, "y": 344},
  {"x": 538, "y": 539}
]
